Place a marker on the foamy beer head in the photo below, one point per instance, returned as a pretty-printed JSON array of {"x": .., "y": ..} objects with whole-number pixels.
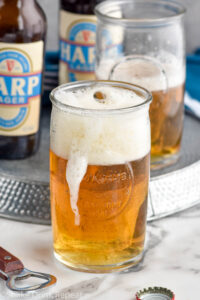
[
  {"x": 100, "y": 123},
  {"x": 164, "y": 76},
  {"x": 99, "y": 172},
  {"x": 155, "y": 74}
]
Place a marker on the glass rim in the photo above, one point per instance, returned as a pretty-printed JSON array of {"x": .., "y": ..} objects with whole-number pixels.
[
  {"x": 147, "y": 96},
  {"x": 181, "y": 10}
]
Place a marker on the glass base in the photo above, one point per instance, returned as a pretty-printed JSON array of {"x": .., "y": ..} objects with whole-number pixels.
[
  {"x": 161, "y": 162},
  {"x": 100, "y": 269}
]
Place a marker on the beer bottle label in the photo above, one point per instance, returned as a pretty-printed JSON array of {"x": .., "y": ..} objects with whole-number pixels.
[
  {"x": 20, "y": 87},
  {"x": 77, "y": 46}
]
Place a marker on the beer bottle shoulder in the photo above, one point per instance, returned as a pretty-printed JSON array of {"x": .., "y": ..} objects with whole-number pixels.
[
  {"x": 21, "y": 21},
  {"x": 84, "y": 7}
]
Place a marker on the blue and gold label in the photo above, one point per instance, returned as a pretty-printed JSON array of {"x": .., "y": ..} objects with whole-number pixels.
[
  {"x": 20, "y": 87},
  {"x": 77, "y": 47}
]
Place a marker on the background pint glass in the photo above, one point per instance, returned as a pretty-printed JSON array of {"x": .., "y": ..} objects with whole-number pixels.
[
  {"x": 151, "y": 54},
  {"x": 99, "y": 173}
]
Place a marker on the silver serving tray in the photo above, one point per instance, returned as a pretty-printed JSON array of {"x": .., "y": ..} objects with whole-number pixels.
[{"x": 24, "y": 184}]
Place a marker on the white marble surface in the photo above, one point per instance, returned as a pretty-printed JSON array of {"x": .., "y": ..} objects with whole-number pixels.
[{"x": 172, "y": 260}]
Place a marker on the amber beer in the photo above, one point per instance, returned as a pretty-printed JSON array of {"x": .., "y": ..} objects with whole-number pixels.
[
  {"x": 166, "y": 84},
  {"x": 99, "y": 174},
  {"x": 166, "y": 115}
]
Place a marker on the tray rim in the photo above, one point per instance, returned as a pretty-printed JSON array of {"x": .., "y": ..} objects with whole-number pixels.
[
  {"x": 43, "y": 183},
  {"x": 42, "y": 187},
  {"x": 153, "y": 217},
  {"x": 196, "y": 163}
]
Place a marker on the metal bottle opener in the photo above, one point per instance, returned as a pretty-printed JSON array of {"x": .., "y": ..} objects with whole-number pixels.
[{"x": 12, "y": 270}]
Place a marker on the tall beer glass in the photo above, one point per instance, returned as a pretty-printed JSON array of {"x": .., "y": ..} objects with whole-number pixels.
[
  {"x": 99, "y": 174},
  {"x": 150, "y": 54}
]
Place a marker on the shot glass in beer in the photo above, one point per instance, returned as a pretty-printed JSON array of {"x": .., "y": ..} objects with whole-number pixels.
[
  {"x": 99, "y": 174},
  {"x": 151, "y": 54}
]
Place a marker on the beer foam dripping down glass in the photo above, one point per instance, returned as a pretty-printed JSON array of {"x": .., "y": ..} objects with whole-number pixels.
[
  {"x": 99, "y": 173},
  {"x": 106, "y": 139}
]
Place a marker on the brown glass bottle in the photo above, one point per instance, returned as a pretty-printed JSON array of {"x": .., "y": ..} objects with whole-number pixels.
[
  {"x": 78, "y": 6},
  {"x": 77, "y": 40},
  {"x": 21, "y": 22}
]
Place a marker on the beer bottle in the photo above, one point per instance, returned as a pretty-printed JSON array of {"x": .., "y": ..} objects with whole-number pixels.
[
  {"x": 22, "y": 39},
  {"x": 77, "y": 40}
]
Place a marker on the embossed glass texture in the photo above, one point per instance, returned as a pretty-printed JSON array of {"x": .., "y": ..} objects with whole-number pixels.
[{"x": 99, "y": 174}]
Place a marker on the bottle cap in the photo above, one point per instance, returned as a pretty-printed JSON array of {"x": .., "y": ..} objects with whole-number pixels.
[{"x": 155, "y": 293}]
